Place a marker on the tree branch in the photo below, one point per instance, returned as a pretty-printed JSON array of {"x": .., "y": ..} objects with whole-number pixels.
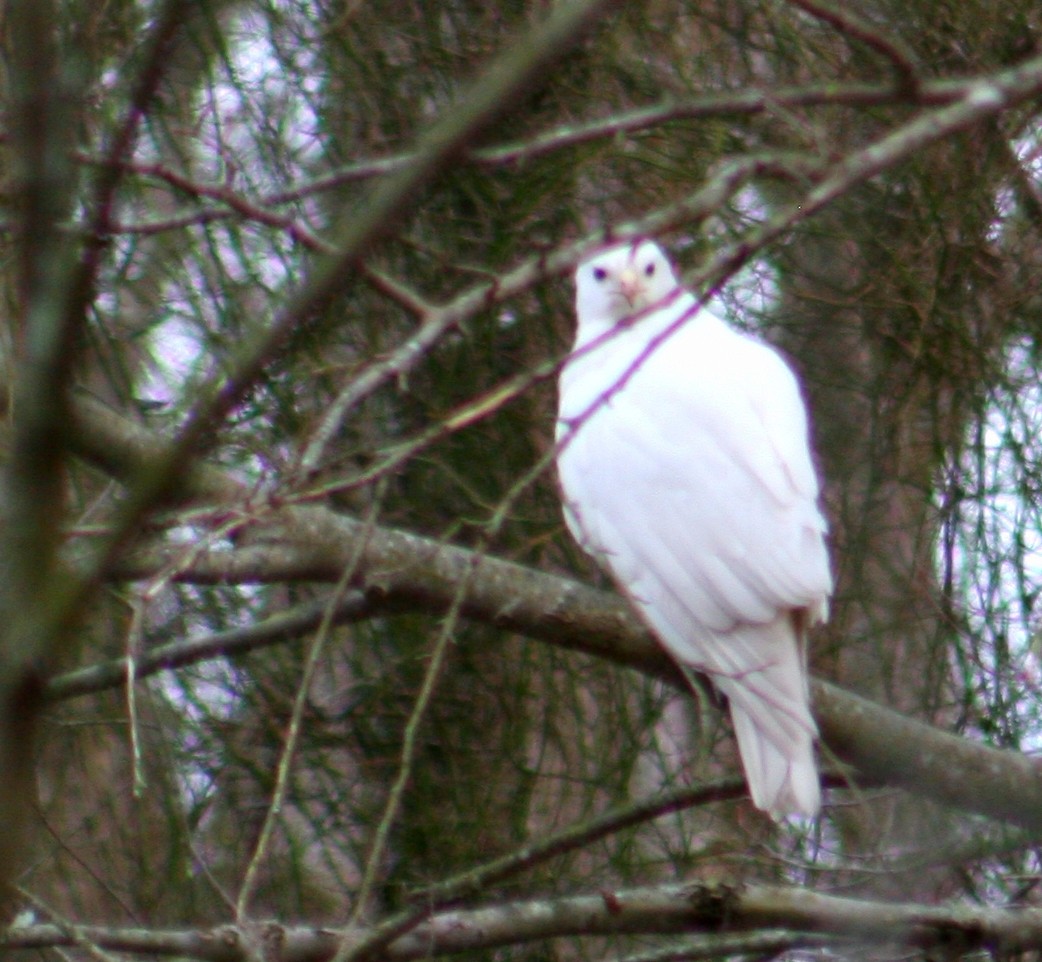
[
  {"x": 398, "y": 571},
  {"x": 891, "y": 47},
  {"x": 731, "y": 103},
  {"x": 518, "y": 69},
  {"x": 712, "y": 910},
  {"x": 932, "y": 93}
]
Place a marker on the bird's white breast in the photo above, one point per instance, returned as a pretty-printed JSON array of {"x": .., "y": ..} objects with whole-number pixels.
[{"x": 688, "y": 456}]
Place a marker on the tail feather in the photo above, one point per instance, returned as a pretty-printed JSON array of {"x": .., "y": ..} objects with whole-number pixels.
[
  {"x": 761, "y": 668},
  {"x": 769, "y": 707},
  {"x": 782, "y": 777},
  {"x": 767, "y": 691}
]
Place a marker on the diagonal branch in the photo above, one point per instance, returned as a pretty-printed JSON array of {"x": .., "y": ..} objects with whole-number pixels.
[
  {"x": 398, "y": 571},
  {"x": 518, "y": 69}
]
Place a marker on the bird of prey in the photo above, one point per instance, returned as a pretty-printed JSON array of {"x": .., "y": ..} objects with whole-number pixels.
[{"x": 685, "y": 467}]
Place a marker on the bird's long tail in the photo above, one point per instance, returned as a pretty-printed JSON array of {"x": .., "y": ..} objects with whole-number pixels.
[{"x": 772, "y": 719}]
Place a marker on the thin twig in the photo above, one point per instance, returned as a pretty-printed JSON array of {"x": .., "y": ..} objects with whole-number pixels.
[
  {"x": 518, "y": 69},
  {"x": 76, "y": 933},
  {"x": 731, "y": 103},
  {"x": 347, "y": 950},
  {"x": 901, "y": 59},
  {"x": 729, "y": 178},
  {"x": 295, "y": 728},
  {"x": 351, "y": 950},
  {"x": 476, "y": 880}
]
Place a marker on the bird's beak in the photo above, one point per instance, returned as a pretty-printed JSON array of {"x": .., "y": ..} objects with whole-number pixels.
[{"x": 630, "y": 286}]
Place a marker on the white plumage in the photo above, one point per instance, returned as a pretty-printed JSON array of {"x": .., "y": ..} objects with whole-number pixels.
[{"x": 686, "y": 470}]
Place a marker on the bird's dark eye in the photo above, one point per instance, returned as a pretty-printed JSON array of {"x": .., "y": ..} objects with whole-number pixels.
[
  {"x": 599, "y": 273},
  {"x": 649, "y": 270}
]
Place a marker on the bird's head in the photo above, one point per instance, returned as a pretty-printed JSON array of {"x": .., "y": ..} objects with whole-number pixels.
[{"x": 622, "y": 281}]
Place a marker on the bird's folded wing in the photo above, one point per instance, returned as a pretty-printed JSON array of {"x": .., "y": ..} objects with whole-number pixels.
[{"x": 700, "y": 483}]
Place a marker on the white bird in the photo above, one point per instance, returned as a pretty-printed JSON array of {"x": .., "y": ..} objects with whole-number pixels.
[{"x": 686, "y": 470}]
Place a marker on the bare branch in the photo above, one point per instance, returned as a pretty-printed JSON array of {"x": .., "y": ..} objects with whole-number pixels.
[
  {"x": 742, "y": 102},
  {"x": 739, "y": 102},
  {"x": 714, "y": 910},
  {"x": 860, "y": 29},
  {"x": 518, "y": 69},
  {"x": 398, "y": 570}
]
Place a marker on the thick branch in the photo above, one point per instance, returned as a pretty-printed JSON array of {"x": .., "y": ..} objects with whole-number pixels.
[
  {"x": 706, "y": 909},
  {"x": 399, "y": 570}
]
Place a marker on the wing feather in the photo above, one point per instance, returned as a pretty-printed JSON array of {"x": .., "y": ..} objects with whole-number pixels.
[
  {"x": 694, "y": 484},
  {"x": 718, "y": 495}
]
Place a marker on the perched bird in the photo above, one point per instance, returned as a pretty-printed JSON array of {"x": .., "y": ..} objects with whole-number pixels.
[{"x": 686, "y": 471}]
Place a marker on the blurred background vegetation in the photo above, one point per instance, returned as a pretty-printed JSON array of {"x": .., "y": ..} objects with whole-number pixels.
[{"x": 910, "y": 306}]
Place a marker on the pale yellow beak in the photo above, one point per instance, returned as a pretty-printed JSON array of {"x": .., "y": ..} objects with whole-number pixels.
[{"x": 630, "y": 285}]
